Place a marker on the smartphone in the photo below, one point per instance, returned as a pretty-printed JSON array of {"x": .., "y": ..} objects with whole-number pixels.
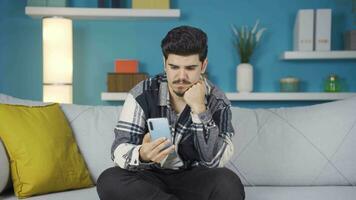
[{"x": 159, "y": 127}]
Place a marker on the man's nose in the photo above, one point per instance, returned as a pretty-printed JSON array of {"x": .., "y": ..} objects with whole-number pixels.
[{"x": 182, "y": 74}]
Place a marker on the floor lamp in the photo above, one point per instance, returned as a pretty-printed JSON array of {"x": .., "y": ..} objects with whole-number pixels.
[{"x": 57, "y": 59}]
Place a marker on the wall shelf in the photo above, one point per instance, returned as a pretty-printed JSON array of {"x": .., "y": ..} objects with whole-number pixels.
[
  {"x": 258, "y": 96},
  {"x": 304, "y": 55},
  {"x": 101, "y": 13},
  {"x": 113, "y": 96}
]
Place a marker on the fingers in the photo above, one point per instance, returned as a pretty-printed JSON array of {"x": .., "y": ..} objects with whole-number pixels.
[
  {"x": 200, "y": 84},
  {"x": 161, "y": 146},
  {"x": 156, "y": 154},
  {"x": 163, "y": 154},
  {"x": 146, "y": 138},
  {"x": 194, "y": 87},
  {"x": 157, "y": 142}
]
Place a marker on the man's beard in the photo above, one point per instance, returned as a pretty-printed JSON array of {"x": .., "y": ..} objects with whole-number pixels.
[
  {"x": 186, "y": 82},
  {"x": 180, "y": 94}
]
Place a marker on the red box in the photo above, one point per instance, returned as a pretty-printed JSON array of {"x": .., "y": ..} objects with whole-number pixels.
[{"x": 126, "y": 66}]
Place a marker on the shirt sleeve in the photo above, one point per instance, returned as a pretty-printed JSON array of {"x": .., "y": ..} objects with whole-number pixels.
[
  {"x": 213, "y": 133},
  {"x": 129, "y": 133}
]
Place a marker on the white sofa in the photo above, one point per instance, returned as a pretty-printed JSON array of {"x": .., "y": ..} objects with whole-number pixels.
[{"x": 280, "y": 154}]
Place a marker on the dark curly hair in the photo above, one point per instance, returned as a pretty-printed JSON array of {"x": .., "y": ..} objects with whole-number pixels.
[{"x": 184, "y": 41}]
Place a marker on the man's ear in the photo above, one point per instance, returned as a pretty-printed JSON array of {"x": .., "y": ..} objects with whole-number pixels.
[{"x": 204, "y": 65}]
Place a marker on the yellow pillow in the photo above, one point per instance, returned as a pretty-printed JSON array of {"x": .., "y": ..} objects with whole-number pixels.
[{"x": 43, "y": 153}]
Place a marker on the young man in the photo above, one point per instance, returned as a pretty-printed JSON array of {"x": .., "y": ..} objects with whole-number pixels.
[{"x": 200, "y": 120}]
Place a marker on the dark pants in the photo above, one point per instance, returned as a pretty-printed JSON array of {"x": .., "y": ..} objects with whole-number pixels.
[{"x": 194, "y": 184}]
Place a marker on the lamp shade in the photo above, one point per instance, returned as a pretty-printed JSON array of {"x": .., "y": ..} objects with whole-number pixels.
[
  {"x": 57, "y": 60},
  {"x": 57, "y": 93}
]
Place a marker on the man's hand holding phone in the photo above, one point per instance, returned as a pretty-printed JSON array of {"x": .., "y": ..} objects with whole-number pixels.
[{"x": 153, "y": 150}]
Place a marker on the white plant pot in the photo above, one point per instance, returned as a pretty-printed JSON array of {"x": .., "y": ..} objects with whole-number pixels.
[{"x": 244, "y": 77}]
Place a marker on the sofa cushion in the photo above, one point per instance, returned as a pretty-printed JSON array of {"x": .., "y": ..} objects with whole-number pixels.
[
  {"x": 6, "y": 99},
  {"x": 43, "y": 153},
  {"x": 252, "y": 193},
  {"x": 310, "y": 145},
  {"x": 4, "y": 168},
  {"x": 93, "y": 127}
]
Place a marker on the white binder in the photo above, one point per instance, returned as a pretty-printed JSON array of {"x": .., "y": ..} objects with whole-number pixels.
[
  {"x": 304, "y": 31},
  {"x": 323, "y": 30}
]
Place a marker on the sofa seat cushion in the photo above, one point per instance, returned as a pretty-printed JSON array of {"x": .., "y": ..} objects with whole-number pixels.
[
  {"x": 298, "y": 193},
  {"x": 252, "y": 193},
  {"x": 81, "y": 194}
]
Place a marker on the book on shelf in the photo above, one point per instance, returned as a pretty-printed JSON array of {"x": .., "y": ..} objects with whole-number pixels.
[
  {"x": 350, "y": 40},
  {"x": 151, "y": 4},
  {"x": 323, "y": 30},
  {"x": 303, "y": 38},
  {"x": 109, "y": 3}
]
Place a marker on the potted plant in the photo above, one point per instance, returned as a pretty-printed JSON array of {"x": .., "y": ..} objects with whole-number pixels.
[{"x": 246, "y": 42}]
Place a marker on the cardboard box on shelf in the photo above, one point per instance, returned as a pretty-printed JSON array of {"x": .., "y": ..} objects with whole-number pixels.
[{"x": 124, "y": 82}]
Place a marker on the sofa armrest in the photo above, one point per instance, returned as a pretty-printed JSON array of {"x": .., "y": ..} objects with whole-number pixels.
[{"x": 4, "y": 169}]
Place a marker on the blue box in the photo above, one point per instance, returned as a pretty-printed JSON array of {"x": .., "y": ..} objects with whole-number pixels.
[
  {"x": 35, "y": 3},
  {"x": 48, "y": 3},
  {"x": 56, "y": 3}
]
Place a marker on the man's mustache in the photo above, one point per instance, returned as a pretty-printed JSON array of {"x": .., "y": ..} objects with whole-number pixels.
[{"x": 181, "y": 81}]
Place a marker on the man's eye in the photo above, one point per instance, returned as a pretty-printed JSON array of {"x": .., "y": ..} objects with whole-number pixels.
[
  {"x": 174, "y": 67},
  {"x": 190, "y": 68}
]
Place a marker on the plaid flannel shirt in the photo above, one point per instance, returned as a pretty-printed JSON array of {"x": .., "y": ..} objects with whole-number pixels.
[{"x": 200, "y": 139}]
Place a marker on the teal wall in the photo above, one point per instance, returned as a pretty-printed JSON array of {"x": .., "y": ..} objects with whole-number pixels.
[{"x": 97, "y": 43}]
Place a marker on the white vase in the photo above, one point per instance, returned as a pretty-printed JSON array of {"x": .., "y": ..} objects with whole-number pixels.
[{"x": 244, "y": 77}]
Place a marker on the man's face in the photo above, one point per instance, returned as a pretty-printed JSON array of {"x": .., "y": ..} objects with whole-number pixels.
[{"x": 183, "y": 72}]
